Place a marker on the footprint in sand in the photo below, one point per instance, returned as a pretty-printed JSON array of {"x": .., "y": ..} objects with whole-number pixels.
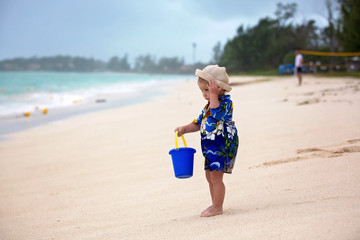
[
  {"x": 309, "y": 150},
  {"x": 308, "y": 153},
  {"x": 310, "y": 101}
]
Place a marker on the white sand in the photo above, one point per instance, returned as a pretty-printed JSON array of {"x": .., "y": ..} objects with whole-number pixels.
[{"x": 108, "y": 175}]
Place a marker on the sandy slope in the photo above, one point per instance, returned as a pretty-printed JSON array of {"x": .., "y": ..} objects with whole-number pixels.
[{"x": 108, "y": 175}]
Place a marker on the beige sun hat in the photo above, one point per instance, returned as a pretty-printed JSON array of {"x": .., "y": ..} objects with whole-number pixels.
[{"x": 217, "y": 73}]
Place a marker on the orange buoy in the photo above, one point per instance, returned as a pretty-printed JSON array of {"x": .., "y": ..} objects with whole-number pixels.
[
  {"x": 27, "y": 114},
  {"x": 45, "y": 111}
]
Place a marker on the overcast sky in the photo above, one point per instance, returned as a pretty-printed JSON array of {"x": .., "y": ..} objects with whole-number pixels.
[{"x": 105, "y": 28}]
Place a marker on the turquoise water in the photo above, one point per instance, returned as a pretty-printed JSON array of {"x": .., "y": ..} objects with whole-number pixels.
[{"x": 32, "y": 91}]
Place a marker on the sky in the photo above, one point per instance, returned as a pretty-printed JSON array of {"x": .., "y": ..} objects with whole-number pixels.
[{"x": 101, "y": 29}]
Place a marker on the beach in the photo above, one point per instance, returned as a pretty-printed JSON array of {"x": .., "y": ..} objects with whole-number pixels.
[{"x": 108, "y": 174}]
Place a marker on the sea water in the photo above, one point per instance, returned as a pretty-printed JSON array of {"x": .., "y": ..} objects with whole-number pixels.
[{"x": 66, "y": 94}]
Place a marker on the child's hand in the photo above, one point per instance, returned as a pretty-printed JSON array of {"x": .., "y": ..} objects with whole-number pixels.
[
  {"x": 214, "y": 89},
  {"x": 181, "y": 130}
]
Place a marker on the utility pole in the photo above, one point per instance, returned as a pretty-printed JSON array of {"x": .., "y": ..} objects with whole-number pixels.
[{"x": 194, "y": 48}]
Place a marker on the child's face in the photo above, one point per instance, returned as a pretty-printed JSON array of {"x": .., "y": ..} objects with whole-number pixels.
[{"x": 204, "y": 87}]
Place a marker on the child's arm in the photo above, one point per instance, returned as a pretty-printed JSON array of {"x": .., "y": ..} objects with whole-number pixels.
[
  {"x": 214, "y": 91},
  {"x": 191, "y": 127}
]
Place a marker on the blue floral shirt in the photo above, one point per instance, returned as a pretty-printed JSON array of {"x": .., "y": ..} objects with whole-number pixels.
[{"x": 219, "y": 140}]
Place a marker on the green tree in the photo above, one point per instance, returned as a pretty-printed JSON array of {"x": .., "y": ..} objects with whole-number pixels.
[
  {"x": 284, "y": 12},
  {"x": 118, "y": 65},
  {"x": 306, "y": 36},
  {"x": 124, "y": 64},
  {"x": 234, "y": 52},
  {"x": 270, "y": 42},
  {"x": 217, "y": 53},
  {"x": 349, "y": 33},
  {"x": 170, "y": 65},
  {"x": 145, "y": 64}
]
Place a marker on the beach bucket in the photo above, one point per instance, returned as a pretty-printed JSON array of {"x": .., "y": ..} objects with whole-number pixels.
[{"x": 183, "y": 159}]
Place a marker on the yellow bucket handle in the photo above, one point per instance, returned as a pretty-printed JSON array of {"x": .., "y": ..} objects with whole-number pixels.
[{"x": 176, "y": 140}]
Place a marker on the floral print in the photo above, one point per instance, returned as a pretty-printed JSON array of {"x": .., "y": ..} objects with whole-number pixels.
[{"x": 219, "y": 139}]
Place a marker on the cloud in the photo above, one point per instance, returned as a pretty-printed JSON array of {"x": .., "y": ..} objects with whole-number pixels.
[{"x": 102, "y": 29}]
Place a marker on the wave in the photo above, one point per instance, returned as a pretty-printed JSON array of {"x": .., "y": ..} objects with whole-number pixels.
[{"x": 85, "y": 91}]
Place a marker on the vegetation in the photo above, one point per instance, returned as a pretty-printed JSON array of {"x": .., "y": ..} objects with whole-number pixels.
[
  {"x": 259, "y": 49},
  {"x": 349, "y": 22},
  {"x": 143, "y": 64},
  {"x": 272, "y": 41}
]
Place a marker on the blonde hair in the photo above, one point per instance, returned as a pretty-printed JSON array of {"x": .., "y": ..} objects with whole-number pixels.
[{"x": 201, "y": 80}]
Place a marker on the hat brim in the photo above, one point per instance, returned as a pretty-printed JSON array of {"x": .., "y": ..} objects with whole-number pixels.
[{"x": 208, "y": 77}]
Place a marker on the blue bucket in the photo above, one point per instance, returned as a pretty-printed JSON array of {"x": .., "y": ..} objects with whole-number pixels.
[{"x": 183, "y": 159}]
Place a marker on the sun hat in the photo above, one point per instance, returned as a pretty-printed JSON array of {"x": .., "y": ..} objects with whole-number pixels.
[{"x": 217, "y": 73}]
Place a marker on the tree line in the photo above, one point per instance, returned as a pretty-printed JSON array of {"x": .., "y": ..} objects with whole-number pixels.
[
  {"x": 273, "y": 40},
  {"x": 265, "y": 46},
  {"x": 143, "y": 64}
]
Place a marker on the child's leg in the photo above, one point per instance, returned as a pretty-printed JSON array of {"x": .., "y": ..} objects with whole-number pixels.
[
  {"x": 218, "y": 194},
  {"x": 208, "y": 178},
  {"x": 218, "y": 188}
]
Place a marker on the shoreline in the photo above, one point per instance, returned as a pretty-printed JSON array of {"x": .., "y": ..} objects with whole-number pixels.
[
  {"x": 108, "y": 175},
  {"x": 17, "y": 123},
  {"x": 13, "y": 123},
  {"x": 59, "y": 95}
]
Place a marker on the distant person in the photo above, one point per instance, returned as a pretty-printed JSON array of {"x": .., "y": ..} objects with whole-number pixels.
[
  {"x": 219, "y": 139},
  {"x": 298, "y": 65}
]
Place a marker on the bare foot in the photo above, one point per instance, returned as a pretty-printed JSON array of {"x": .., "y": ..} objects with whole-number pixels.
[
  {"x": 210, "y": 212},
  {"x": 206, "y": 209}
]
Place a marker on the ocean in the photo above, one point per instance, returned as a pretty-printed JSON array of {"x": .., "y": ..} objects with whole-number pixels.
[{"x": 49, "y": 96}]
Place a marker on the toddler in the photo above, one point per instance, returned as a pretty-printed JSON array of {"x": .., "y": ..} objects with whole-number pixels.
[{"x": 219, "y": 139}]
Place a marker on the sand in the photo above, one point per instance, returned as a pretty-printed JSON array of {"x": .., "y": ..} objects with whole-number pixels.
[{"x": 108, "y": 174}]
